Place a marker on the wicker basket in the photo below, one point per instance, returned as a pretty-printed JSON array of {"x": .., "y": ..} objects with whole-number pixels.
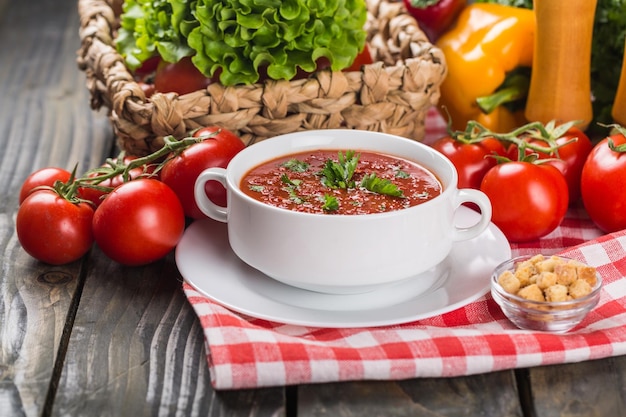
[{"x": 392, "y": 95}]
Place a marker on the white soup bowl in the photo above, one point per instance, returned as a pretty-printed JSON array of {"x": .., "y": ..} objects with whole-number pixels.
[{"x": 341, "y": 254}]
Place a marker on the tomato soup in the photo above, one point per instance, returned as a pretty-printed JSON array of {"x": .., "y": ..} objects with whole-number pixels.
[{"x": 341, "y": 182}]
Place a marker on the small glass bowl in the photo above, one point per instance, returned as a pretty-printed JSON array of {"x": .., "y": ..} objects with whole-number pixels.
[{"x": 546, "y": 316}]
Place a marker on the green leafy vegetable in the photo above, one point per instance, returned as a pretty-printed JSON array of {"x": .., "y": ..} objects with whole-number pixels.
[
  {"x": 338, "y": 174},
  {"x": 330, "y": 203},
  {"x": 378, "y": 185},
  {"x": 239, "y": 38},
  {"x": 242, "y": 38},
  {"x": 296, "y": 165},
  {"x": 150, "y": 27}
]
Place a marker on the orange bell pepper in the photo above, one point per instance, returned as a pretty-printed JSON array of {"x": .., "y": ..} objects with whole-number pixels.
[{"x": 484, "y": 51}]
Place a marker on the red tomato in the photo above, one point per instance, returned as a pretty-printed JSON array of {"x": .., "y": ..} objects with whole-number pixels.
[
  {"x": 181, "y": 77},
  {"x": 472, "y": 160},
  {"x": 181, "y": 171},
  {"x": 528, "y": 200},
  {"x": 571, "y": 158},
  {"x": 363, "y": 58},
  {"x": 147, "y": 69},
  {"x": 45, "y": 177},
  {"x": 139, "y": 222},
  {"x": 603, "y": 185},
  {"x": 147, "y": 88},
  {"x": 97, "y": 195},
  {"x": 53, "y": 229}
]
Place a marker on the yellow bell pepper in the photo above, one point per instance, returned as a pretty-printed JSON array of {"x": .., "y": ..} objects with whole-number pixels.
[{"x": 488, "y": 43}]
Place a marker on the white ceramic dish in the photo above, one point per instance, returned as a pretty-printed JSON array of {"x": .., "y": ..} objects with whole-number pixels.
[
  {"x": 207, "y": 263},
  {"x": 341, "y": 254}
]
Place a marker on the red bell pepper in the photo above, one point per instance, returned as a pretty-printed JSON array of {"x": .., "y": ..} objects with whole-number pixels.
[{"x": 434, "y": 17}]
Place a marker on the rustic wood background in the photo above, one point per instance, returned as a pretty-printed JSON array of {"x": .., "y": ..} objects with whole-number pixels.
[{"x": 95, "y": 338}]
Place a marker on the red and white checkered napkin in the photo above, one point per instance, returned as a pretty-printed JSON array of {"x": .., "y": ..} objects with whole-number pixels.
[{"x": 244, "y": 352}]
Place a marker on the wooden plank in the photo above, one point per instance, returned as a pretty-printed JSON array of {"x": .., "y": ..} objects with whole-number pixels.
[
  {"x": 137, "y": 349},
  {"x": 45, "y": 121},
  {"x": 492, "y": 394},
  {"x": 592, "y": 388}
]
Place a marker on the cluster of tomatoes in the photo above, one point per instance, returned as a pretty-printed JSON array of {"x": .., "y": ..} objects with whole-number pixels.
[
  {"x": 134, "y": 209},
  {"x": 533, "y": 174}
]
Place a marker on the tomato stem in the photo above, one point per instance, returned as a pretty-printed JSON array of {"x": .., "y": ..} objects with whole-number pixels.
[
  {"x": 611, "y": 143},
  {"x": 548, "y": 133},
  {"x": 114, "y": 167}
]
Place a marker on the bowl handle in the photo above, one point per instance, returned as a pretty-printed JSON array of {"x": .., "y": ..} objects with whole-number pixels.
[
  {"x": 468, "y": 195},
  {"x": 208, "y": 207}
]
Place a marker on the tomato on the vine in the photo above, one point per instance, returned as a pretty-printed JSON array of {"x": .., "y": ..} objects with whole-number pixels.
[
  {"x": 180, "y": 77},
  {"x": 181, "y": 169},
  {"x": 44, "y": 177},
  {"x": 53, "y": 229},
  {"x": 528, "y": 200},
  {"x": 139, "y": 222},
  {"x": 471, "y": 159},
  {"x": 569, "y": 158},
  {"x": 96, "y": 195},
  {"x": 603, "y": 183}
]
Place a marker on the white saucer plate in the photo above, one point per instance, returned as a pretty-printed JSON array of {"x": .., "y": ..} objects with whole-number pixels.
[{"x": 206, "y": 261}]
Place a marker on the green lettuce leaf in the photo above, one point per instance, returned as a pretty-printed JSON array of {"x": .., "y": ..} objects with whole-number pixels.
[
  {"x": 240, "y": 38},
  {"x": 150, "y": 27}
]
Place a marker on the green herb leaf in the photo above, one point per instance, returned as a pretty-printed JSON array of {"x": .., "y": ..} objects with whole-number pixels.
[
  {"x": 292, "y": 186},
  {"x": 402, "y": 174},
  {"x": 293, "y": 196},
  {"x": 256, "y": 188},
  {"x": 381, "y": 186},
  {"x": 338, "y": 174},
  {"x": 296, "y": 165},
  {"x": 330, "y": 203},
  {"x": 292, "y": 183}
]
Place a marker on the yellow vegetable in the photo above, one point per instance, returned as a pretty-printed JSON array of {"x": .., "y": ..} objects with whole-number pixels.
[{"x": 487, "y": 43}]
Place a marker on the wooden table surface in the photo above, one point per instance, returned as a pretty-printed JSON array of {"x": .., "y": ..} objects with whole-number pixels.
[{"x": 96, "y": 338}]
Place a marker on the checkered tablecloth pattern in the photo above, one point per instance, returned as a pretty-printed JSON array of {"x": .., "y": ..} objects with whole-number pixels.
[{"x": 245, "y": 352}]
